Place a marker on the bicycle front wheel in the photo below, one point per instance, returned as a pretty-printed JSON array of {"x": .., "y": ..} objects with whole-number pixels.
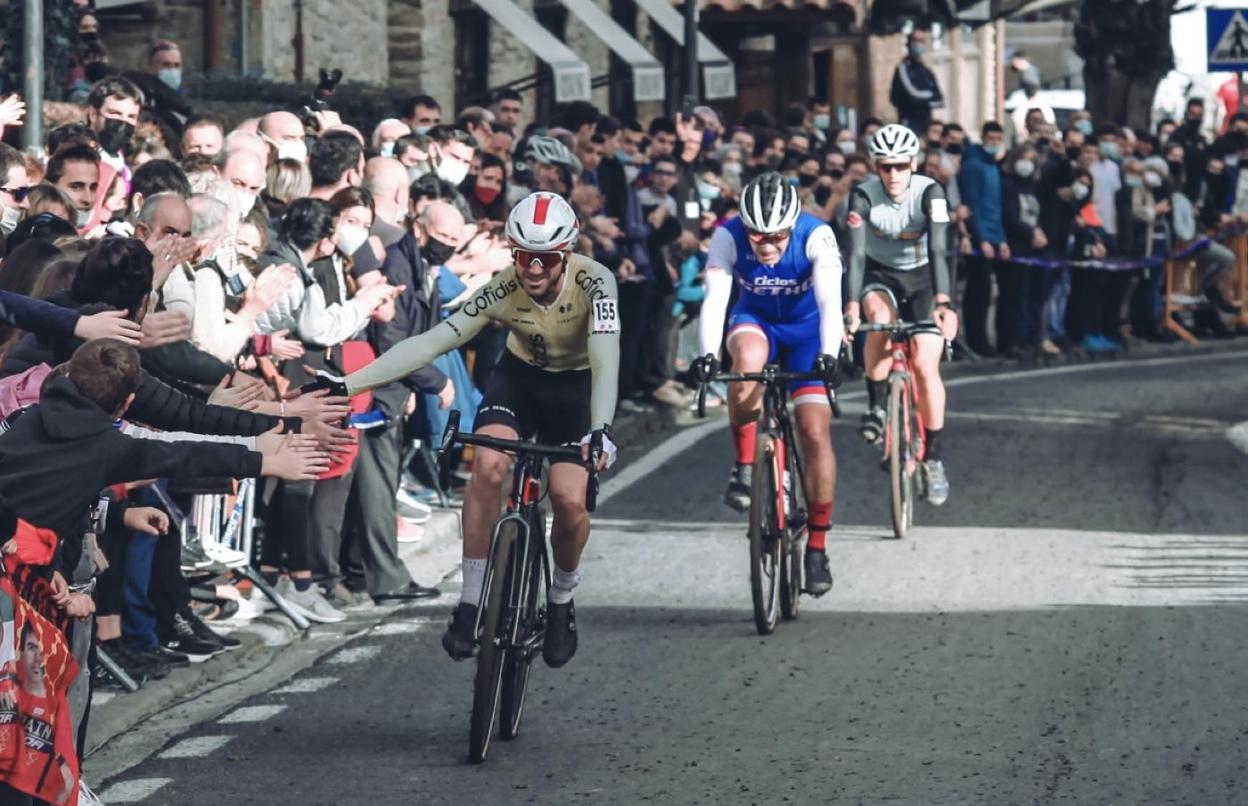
[
  {"x": 530, "y": 618},
  {"x": 487, "y": 686},
  {"x": 791, "y": 550},
  {"x": 765, "y": 536},
  {"x": 899, "y": 443}
]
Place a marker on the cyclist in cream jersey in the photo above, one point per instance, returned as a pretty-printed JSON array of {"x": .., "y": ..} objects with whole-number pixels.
[{"x": 557, "y": 382}]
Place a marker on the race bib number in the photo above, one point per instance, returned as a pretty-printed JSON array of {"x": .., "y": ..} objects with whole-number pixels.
[
  {"x": 940, "y": 211},
  {"x": 606, "y": 318}
]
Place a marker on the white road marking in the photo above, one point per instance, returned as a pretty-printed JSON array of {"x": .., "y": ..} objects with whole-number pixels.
[
  {"x": 306, "y": 685},
  {"x": 685, "y": 439},
  {"x": 404, "y": 627},
  {"x": 1238, "y": 435},
  {"x": 196, "y": 747},
  {"x": 133, "y": 791},
  {"x": 1168, "y": 425},
  {"x": 356, "y": 654},
  {"x": 251, "y": 713},
  {"x": 102, "y": 698}
]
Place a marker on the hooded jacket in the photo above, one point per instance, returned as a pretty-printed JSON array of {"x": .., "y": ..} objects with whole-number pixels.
[
  {"x": 58, "y": 456},
  {"x": 980, "y": 182}
]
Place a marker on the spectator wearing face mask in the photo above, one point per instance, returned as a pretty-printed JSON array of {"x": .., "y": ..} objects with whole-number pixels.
[
  {"x": 387, "y": 135},
  {"x": 284, "y": 133},
  {"x": 980, "y": 182},
  {"x": 1107, "y": 180},
  {"x": 915, "y": 91},
  {"x": 161, "y": 83},
  {"x": 486, "y": 191},
  {"x": 1016, "y": 289}
]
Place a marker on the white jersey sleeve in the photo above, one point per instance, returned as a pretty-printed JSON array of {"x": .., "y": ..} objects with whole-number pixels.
[{"x": 825, "y": 261}]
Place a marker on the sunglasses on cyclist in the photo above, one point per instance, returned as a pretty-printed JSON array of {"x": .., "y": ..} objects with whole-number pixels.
[
  {"x": 764, "y": 237},
  {"x": 548, "y": 260},
  {"x": 19, "y": 194},
  {"x": 892, "y": 167}
]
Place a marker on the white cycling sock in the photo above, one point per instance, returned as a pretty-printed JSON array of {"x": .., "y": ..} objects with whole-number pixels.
[
  {"x": 474, "y": 578},
  {"x": 562, "y": 584}
]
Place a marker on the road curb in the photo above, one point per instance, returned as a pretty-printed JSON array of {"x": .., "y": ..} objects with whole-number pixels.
[{"x": 1238, "y": 435}]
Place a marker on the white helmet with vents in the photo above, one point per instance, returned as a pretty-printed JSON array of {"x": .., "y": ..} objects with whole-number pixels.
[
  {"x": 893, "y": 142},
  {"x": 769, "y": 204},
  {"x": 543, "y": 222}
]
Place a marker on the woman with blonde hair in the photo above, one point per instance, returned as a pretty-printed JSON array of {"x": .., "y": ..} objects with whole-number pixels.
[{"x": 287, "y": 181}]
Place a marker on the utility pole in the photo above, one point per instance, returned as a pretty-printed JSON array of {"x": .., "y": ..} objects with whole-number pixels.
[
  {"x": 692, "y": 95},
  {"x": 32, "y": 83}
]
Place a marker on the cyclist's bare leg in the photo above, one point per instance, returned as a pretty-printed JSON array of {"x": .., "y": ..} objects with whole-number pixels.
[
  {"x": 749, "y": 349},
  {"x": 877, "y": 310},
  {"x": 483, "y": 498},
  {"x": 569, "y": 531},
  {"x": 814, "y": 419},
  {"x": 928, "y": 348}
]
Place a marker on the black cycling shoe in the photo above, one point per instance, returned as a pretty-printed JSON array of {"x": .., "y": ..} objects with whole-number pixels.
[
  {"x": 738, "y": 494},
  {"x": 872, "y": 428},
  {"x": 460, "y": 638},
  {"x": 818, "y": 572},
  {"x": 560, "y": 643}
]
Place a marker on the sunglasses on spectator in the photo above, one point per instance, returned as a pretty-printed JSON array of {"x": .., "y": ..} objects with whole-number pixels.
[
  {"x": 549, "y": 260},
  {"x": 660, "y": 172},
  {"x": 764, "y": 237},
  {"x": 19, "y": 194},
  {"x": 892, "y": 167}
]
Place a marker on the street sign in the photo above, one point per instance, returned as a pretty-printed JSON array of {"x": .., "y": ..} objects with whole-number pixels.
[{"x": 1227, "y": 30}]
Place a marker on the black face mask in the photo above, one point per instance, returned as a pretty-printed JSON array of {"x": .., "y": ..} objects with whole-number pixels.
[
  {"x": 806, "y": 180},
  {"x": 437, "y": 252},
  {"x": 95, "y": 71},
  {"x": 954, "y": 149},
  {"x": 1176, "y": 169},
  {"x": 822, "y": 194},
  {"x": 837, "y": 174},
  {"x": 115, "y": 136},
  {"x": 89, "y": 38}
]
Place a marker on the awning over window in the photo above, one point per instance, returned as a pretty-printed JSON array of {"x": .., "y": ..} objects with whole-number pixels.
[
  {"x": 571, "y": 73},
  {"x": 719, "y": 78},
  {"x": 648, "y": 82}
]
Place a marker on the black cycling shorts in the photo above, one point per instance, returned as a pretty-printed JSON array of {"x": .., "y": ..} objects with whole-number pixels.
[
  {"x": 913, "y": 291},
  {"x": 551, "y": 407}
]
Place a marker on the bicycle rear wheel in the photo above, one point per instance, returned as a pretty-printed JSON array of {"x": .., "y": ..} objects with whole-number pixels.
[
  {"x": 764, "y": 536},
  {"x": 791, "y": 549},
  {"x": 531, "y": 623},
  {"x": 487, "y": 685},
  {"x": 899, "y": 441}
]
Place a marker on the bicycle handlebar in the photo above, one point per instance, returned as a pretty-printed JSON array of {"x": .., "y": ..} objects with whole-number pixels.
[
  {"x": 769, "y": 375},
  {"x": 899, "y": 327},
  {"x": 520, "y": 447}
]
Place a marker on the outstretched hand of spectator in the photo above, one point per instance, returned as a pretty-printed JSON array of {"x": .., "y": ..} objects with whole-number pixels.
[
  {"x": 243, "y": 396},
  {"x": 148, "y": 520},
  {"x": 318, "y": 405},
  {"x": 164, "y": 327},
  {"x": 109, "y": 325},
  {"x": 168, "y": 251},
  {"x": 12, "y": 112},
  {"x": 271, "y": 441},
  {"x": 268, "y": 288},
  {"x": 329, "y": 437},
  {"x": 60, "y": 589},
  {"x": 283, "y": 347},
  {"x": 293, "y": 461}
]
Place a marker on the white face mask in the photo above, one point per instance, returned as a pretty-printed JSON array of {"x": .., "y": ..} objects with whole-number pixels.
[
  {"x": 1152, "y": 179},
  {"x": 83, "y": 217},
  {"x": 1025, "y": 168},
  {"x": 846, "y": 146},
  {"x": 1080, "y": 191},
  {"x": 416, "y": 171},
  {"x": 387, "y": 149},
  {"x": 9, "y": 221},
  {"x": 292, "y": 150},
  {"x": 244, "y": 201},
  {"x": 452, "y": 171},
  {"x": 350, "y": 238}
]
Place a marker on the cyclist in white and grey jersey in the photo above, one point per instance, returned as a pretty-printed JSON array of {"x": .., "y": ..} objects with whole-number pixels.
[{"x": 898, "y": 225}]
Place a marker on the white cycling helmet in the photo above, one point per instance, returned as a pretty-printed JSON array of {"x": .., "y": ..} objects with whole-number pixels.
[
  {"x": 769, "y": 204},
  {"x": 549, "y": 151},
  {"x": 893, "y": 142},
  {"x": 543, "y": 222}
]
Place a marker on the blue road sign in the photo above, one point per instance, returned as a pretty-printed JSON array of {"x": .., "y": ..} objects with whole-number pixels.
[{"x": 1227, "y": 30}]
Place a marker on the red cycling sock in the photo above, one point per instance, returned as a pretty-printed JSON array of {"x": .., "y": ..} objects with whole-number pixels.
[
  {"x": 820, "y": 523},
  {"x": 743, "y": 437}
]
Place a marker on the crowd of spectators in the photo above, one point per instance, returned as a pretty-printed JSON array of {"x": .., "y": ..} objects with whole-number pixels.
[{"x": 239, "y": 256}]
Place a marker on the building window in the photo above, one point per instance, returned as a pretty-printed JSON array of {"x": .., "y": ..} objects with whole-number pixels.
[{"x": 472, "y": 58}]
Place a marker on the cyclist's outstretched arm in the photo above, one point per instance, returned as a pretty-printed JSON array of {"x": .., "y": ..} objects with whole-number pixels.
[
  {"x": 416, "y": 353},
  {"x": 825, "y": 260},
  {"x": 604, "y": 350},
  {"x": 720, "y": 260},
  {"x": 859, "y": 215},
  {"x": 936, "y": 208}
]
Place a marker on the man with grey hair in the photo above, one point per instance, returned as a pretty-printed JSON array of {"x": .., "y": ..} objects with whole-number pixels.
[{"x": 387, "y": 134}]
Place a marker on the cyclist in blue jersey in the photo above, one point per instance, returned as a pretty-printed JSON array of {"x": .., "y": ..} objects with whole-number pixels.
[
  {"x": 897, "y": 223},
  {"x": 787, "y": 269}
]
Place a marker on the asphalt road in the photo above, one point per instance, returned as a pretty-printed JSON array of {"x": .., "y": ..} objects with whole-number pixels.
[{"x": 1068, "y": 628}]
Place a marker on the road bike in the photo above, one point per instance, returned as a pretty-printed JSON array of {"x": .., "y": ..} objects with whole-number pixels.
[
  {"x": 778, "y": 511},
  {"x": 511, "y": 616},
  {"x": 905, "y": 437}
]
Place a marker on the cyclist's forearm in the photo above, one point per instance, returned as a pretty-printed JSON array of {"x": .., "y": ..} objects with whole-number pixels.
[
  {"x": 604, "y": 367},
  {"x": 937, "y": 238},
  {"x": 857, "y": 262},
  {"x": 714, "y": 310},
  {"x": 409, "y": 355}
]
